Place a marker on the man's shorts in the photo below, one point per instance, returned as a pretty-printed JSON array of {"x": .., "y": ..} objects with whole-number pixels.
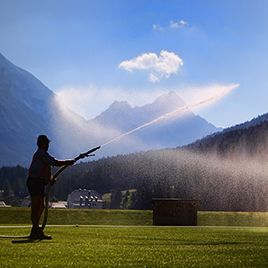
[{"x": 36, "y": 186}]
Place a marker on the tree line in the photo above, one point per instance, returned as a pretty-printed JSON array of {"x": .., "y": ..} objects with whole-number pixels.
[
  {"x": 217, "y": 183},
  {"x": 226, "y": 171}
]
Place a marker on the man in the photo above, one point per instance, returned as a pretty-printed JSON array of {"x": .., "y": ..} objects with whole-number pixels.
[{"x": 39, "y": 176}]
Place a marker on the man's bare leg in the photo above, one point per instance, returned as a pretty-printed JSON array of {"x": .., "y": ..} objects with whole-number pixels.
[{"x": 36, "y": 210}]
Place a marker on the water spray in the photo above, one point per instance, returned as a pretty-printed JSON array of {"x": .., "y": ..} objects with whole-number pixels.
[{"x": 166, "y": 116}]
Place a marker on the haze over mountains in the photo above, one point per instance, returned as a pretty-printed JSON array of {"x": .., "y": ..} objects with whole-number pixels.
[
  {"x": 222, "y": 170},
  {"x": 167, "y": 133},
  {"x": 28, "y": 108}
]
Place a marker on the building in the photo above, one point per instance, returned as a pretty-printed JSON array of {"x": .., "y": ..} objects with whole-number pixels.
[
  {"x": 3, "y": 205},
  {"x": 84, "y": 199},
  {"x": 58, "y": 204},
  {"x": 26, "y": 202}
]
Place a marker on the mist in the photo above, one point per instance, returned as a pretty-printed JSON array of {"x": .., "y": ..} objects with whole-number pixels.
[
  {"x": 235, "y": 180},
  {"x": 74, "y": 134}
]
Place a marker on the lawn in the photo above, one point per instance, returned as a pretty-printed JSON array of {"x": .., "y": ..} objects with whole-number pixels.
[
  {"x": 21, "y": 216},
  {"x": 147, "y": 246},
  {"x": 126, "y": 238}
]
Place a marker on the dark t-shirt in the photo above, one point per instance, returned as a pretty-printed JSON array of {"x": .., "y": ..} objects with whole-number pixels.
[{"x": 41, "y": 164}]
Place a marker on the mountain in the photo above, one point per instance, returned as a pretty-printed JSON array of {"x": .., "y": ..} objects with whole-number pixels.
[
  {"x": 28, "y": 108},
  {"x": 122, "y": 116},
  {"x": 177, "y": 130},
  {"x": 244, "y": 140},
  {"x": 255, "y": 121},
  {"x": 19, "y": 124}
]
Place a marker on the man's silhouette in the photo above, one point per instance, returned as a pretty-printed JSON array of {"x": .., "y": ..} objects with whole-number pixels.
[{"x": 39, "y": 176}]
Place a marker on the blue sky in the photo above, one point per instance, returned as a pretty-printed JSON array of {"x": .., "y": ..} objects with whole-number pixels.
[{"x": 78, "y": 46}]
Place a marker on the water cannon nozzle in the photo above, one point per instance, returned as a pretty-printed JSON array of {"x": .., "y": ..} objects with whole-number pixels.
[{"x": 87, "y": 154}]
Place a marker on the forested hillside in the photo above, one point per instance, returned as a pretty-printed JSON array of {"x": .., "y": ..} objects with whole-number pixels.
[
  {"x": 246, "y": 139},
  {"x": 218, "y": 184},
  {"x": 13, "y": 184},
  {"x": 226, "y": 171}
]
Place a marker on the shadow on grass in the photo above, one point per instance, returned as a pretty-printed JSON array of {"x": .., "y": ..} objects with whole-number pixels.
[{"x": 25, "y": 241}]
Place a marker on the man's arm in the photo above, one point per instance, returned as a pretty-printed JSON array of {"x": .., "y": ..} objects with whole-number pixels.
[{"x": 57, "y": 163}]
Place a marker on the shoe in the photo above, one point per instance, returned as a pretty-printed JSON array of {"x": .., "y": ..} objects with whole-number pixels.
[
  {"x": 45, "y": 237},
  {"x": 42, "y": 236},
  {"x": 35, "y": 234}
]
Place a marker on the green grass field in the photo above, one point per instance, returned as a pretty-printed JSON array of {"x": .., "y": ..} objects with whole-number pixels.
[
  {"x": 9, "y": 216},
  {"x": 142, "y": 245}
]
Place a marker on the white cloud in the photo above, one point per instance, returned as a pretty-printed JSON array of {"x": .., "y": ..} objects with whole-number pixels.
[
  {"x": 157, "y": 27},
  {"x": 178, "y": 24},
  {"x": 173, "y": 25},
  {"x": 153, "y": 78},
  {"x": 164, "y": 65}
]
